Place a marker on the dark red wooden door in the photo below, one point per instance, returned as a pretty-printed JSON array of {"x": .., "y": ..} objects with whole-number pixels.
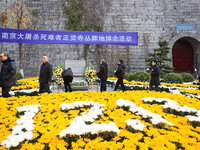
[{"x": 183, "y": 57}]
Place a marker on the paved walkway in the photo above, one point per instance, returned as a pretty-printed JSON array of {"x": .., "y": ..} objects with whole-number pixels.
[
  {"x": 97, "y": 88},
  {"x": 91, "y": 88}
]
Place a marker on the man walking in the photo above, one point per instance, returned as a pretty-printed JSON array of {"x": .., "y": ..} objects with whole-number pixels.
[
  {"x": 155, "y": 76},
  {"x": 46, "y": 74},
  {"x": 120, "y": 73},
  {"x": 8, "y": 74},
  {"x": 103, "y": 75}
]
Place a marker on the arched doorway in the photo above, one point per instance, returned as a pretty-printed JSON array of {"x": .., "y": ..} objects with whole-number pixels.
[{"x": 183, "y": 56}]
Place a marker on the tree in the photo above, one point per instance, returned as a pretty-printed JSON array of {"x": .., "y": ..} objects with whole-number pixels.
[
  {"x": 18, "y": 16},
  {"x": 160, "y": 54},
  {"x": 3, "y": 18},
  {"x": 84, "y": 16}
]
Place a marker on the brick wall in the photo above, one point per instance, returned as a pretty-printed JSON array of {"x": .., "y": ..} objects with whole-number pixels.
[{"x": 153, "y": 20}]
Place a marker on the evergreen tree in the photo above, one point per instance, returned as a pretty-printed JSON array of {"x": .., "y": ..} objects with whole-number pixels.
[{"x": 160, "y": 54}]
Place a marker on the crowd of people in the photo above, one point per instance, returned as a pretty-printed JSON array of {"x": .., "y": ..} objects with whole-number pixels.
[
  {"x": 8, "y": 75},
  {"x": 120, "y": 74}
]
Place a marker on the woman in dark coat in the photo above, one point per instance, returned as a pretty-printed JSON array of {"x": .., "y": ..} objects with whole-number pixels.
[
  {"x": 155, "y": 76},
  {"x": 67, "y": 75},
  {"x": 103, "y": 75},
  {"x": 120, "y": 73}
]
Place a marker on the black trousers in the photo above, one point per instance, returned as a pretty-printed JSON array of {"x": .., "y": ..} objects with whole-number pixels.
[
  {"x": 103, "y": 85},
  {"x": 199, "y": 83},
  {"x": 120, "y": 82},
  {"x": 67, "y": 85},
  {"x": 44, "y": 87},
  {"x": 5, "y": 91},
  {"x": 151, "y": 87}
]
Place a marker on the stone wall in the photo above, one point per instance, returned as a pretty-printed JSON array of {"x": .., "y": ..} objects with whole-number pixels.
[{"x": 153, "y": 20}]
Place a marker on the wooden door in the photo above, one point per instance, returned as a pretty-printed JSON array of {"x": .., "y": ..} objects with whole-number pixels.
[{"x": 183, "y": 57}]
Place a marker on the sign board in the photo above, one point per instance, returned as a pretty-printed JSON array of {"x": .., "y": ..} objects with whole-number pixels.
[
  {"x": 185, "y": 27},
  {"x": 77, "y": 66},
  {"x": 67, "y": 37}
]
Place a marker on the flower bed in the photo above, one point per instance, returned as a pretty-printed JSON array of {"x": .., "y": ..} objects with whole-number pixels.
[
  {"x": 171, "y": 85},
  {"x": 168, "y": 87},
  {"x": 195, "y": 92},
  {"x": 79, "y": 85},
  {"x": 28, "y": 86},
  {"x": 28, "y": 83},
  {"x": 94, "y": 120}
]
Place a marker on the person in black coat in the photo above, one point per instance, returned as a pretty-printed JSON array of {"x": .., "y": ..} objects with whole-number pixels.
[
  {"x": 67, "y": 75},
  {"x": 103, "y": 75},
  {"x": 120, "y": 73},
  {"x": 198, "y": 77},
  {"x": 7, "y": 75},
  {"x": 45, "y": 77},
  {"x": 155, "y": 76}
]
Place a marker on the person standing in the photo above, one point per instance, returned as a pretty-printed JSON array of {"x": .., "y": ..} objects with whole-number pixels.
[
  {"x": 67, "y": 75},
  {"x": 120, "y": 73},
  {"x": 46, "y": 74},
  {"x": 198, "y": 77},
  {"x": 8, "y": 74},
  {"x": 103, "y": 75},
  {"x": 155, "y": 76}
]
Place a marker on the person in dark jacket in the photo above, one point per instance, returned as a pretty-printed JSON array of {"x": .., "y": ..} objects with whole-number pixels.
[
  {"x": 46, "y": 74},
  {"x": 155, "y": 76},
  {"x": 7, "y": 75},
  {"x": 67, "y": 75},
  {"x": 198, "y": 77},
  {"x": 103, "y": 75},
  {"x": 120, "y": 73}
]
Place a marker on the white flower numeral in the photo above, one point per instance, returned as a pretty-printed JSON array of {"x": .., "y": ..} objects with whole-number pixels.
[
  {"x": 155, "y": 118},
  {"x": 170, "y": 104},
  {"x": 24, "y": 128},
  {"x": 79, "y": 127}
]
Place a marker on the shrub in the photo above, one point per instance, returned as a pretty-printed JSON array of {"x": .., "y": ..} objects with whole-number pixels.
[
  {"x": 110, "y": 75},
  {"x": 141, "y": 76},
  {"x": 79, "y": 83},
  {"x": 187, "y": 77},
  {"x": 18, "y": 75},
  {"x": 129, "y": 77},
  {"x": 173, "y": 78}
]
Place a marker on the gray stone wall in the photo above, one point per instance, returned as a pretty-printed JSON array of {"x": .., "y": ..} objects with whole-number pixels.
[{"x": 153, "y": 20}]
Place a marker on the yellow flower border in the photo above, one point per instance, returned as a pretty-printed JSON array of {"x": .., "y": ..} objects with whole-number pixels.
[
  {"x": 165, "y": 84},
  {"x": 195, "y": 92},
  {"x": 28, "y": 83}
]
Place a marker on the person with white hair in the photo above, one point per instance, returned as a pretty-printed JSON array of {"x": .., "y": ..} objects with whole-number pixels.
[{"x": 45, "y": 77}]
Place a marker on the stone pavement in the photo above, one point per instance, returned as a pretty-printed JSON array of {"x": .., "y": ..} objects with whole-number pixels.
[
  {"x": 91, "y": 88},
  {"x": 97, "y": 88}
]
